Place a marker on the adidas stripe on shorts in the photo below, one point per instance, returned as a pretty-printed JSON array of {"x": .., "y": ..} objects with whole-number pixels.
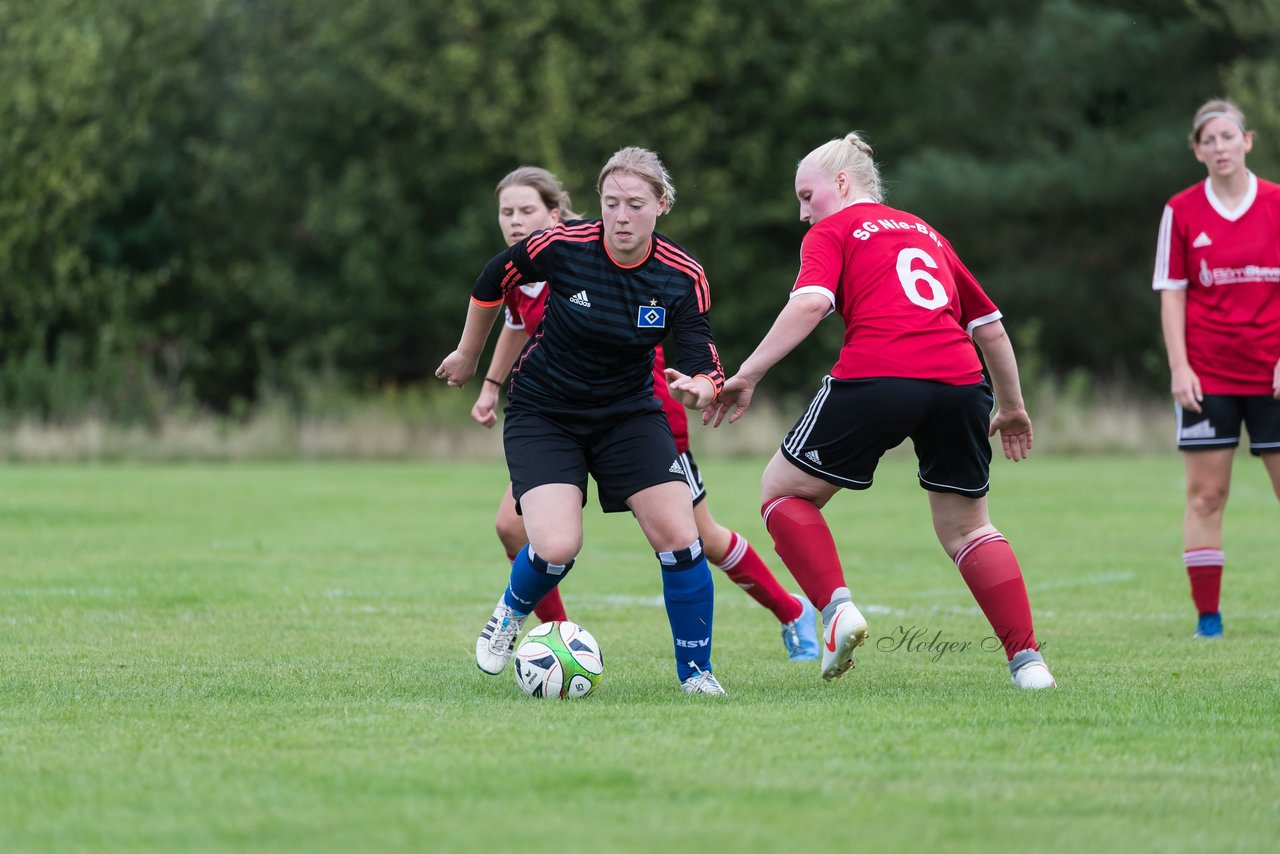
[
  {"x": 693, "y": 477},
  {"x": 1217, "y": 425},
  {"x": 850, "y": 424},
  {"x": 624, "y": 448}
]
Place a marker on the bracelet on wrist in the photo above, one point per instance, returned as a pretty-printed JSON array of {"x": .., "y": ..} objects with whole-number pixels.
[{"x": 492, "y": 380}]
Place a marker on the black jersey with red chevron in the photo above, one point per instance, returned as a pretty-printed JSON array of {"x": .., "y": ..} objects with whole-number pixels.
[{"x": 602, "y": 319}]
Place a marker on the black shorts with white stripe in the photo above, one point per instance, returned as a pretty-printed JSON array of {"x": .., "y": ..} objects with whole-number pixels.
[
  {"x": 850, "y": 424},
  {"x": 1217, "y": 424},
  {"x": 693, "y": 477}
]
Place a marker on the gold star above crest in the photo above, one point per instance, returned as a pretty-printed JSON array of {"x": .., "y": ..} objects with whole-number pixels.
[{"x": 653, "y": 302}]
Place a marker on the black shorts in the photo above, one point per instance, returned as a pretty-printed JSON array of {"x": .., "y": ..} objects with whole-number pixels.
[
  {"x": 623, "y": 448},
  {"x": 1217, "y": 425},
  {"x": 851, "y": 423}
]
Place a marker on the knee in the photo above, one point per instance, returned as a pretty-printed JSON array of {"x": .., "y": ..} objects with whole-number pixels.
[
  {"x": 1206, "y": 498},
  {"x": 557, "y": 549},
  {"x": 510, "y": 530}
]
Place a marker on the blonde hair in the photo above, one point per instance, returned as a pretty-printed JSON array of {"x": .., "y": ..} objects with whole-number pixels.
[
  {"x": 850, "y": 154},
  {"x": 1216, "y": 108},
  {"x": 548, "y": 186},
  {"x": 645, "y": 165}
]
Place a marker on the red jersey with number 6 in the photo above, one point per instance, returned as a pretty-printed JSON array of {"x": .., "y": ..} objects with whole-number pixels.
[
  {"x": 909, "y": 305},
  {"x": 1228, "y": 261}
]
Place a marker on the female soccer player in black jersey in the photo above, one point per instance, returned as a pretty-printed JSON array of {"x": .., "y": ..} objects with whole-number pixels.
[{"x": 581, "y": 400}]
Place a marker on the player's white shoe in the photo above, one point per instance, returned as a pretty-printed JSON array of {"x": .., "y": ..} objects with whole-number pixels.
[
  {"x": 847, "y": 632},
  {"x": 1030, "y": 672},
  {"x": 497, "y": 642},
  {"x": 702, "y": 682}
]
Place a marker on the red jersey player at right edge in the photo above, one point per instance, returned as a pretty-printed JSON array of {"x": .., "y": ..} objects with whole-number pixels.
[
  {"x": 1218, "y": 273},
  {"x": 908, "y": 369}
]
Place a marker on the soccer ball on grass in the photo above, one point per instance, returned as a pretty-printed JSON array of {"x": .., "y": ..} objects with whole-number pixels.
[{"x": 558, "y": 659}]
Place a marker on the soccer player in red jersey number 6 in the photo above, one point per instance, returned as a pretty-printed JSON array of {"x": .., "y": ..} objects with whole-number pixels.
[
  {"x": 581, "y": 401},
  {"x": 530, "y": 199},
  {"x": 1218, "y": 273},
  {"x": 908, "y": 369}
]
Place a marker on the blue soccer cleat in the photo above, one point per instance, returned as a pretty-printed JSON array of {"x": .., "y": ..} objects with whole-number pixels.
[
  {"x": 800, "y": 636},
  {"x": 1209, "y": 625}
]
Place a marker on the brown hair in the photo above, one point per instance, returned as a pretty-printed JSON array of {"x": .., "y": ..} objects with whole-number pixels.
[
  {"x": 645, "y": 165},
  {"x": 549, "y": 188},
  {"x": 852, "y": 154}
]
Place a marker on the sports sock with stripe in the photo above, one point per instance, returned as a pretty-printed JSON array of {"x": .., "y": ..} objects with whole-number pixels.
[
  {"x": 551, "y": 607},
  {"x": 987, "y": 564},
  {"x": 803, "y": 541},
  {"x": 689, "y": 595},
  {"x": 532, "y": 578},
  {"x": 1204, "y": 571},
  {"x": 745, "y": 568}
]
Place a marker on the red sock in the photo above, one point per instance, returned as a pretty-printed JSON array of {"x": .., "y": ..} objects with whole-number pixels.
[
  {"x": 803, "y": 541},
  {"x": 549, "y": 607},
  {"x": 745, "y": 568},
  {"x": 1204, "y": 569},
  {"x": 988, "y": 566}
]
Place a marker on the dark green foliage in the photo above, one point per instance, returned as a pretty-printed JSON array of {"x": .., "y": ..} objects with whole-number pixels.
[{"x": 205, "y": 200}]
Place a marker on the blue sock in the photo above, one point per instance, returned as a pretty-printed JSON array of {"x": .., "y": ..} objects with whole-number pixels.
[
  {"x": 531, "y": 579},
  {"x": 690, "y": 596}
]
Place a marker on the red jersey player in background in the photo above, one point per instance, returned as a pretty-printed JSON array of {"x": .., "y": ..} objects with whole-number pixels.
[
  {"x": 530, "y": 199},
  {"x": 908, "y": 369},
  {"x": 1218, "y": 273}
]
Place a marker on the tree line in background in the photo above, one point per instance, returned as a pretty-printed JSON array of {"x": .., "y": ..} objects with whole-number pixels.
[{"x": 203, "y": 202}]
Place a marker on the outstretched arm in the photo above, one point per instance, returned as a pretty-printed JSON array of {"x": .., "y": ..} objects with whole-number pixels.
[
  {"x": 798, "y": 318},
  {"x": 696, "y": 392},
  {"x": 1010, "y": 418},
  {"x": 510, "y": 341},
  {"x": 460, "y": 365}
]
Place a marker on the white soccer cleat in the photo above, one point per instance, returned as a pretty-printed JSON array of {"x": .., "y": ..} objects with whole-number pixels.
[
  {"x": 702, "y": 682},
  {"x": 847, "y": 632},
  {"x": 497, "y": 642},
  {"x": 1029, "y": 671}
]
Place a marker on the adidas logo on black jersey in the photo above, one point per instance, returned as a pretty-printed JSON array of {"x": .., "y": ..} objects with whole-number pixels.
[
  {"x": 676, "y": 467},
  {"x": 580, "y": 298},
  {"x": 812, "y": 456}
]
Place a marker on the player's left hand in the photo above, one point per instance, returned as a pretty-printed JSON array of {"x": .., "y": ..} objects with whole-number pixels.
[
  {"x": 456, "y": 368},
  {"x": 688, "y": 391},
  {"x": 1014, "y": 426}
]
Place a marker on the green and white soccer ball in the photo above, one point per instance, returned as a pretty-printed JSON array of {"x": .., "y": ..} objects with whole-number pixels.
[{"x": 558, "y": 659}]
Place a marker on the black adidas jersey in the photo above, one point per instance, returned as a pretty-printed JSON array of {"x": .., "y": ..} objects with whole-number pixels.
[{"x": 602, "y": 320}]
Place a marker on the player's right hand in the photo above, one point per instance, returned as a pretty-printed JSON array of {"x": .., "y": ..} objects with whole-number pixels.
[
  {"x": 1185, "y": 386},
  {"x": 734, "y": 400},
  {"x": 456, "y": 368}
]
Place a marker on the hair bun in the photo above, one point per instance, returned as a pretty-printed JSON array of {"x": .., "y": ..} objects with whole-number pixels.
[{"x": 855, "y": 139}]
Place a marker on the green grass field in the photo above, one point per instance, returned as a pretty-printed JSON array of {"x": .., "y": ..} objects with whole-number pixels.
[{"x": 279, "y": 657}]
